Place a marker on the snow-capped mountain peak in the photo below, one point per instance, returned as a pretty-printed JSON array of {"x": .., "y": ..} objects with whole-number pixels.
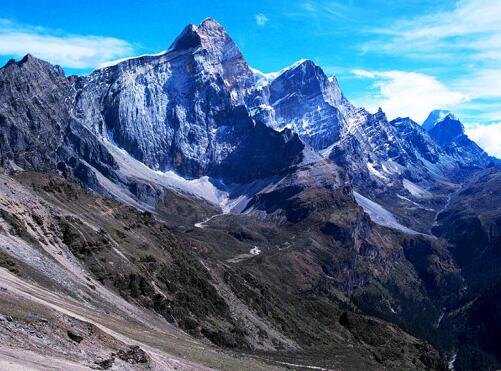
[
  {"x": 448, "y": 132},
  {"x": 435, "y": 117}
]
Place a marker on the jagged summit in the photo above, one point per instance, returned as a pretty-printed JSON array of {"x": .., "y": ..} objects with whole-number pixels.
[
  {"x": 12, "y": 61},
  {"x": 303, "y": 75},
  {"x": 303, "y": 98},
  {"x": 264, "y": 79},
  {"x": 435, "y": 117},
  {"x": 208, "y": 41},
  {"x": 380, "y": 112},
  {"x": 448, "y": 132},
  {"x": 31, "y": 61},
  {"x": 208, "y": 33},
  {"x": 32, "y": 68},
  {"x": 447, "y": 129},
  {"x": 27, "y": 58},
  {"x": 302, "y": 65},
  {"x": 187, "y": 39},
  {"x": 299, "y": 63},
  {"x": 210, "y": 25}
]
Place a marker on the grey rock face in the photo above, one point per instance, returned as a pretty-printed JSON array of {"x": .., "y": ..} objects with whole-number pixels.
[
  {"x": 182, "y": 110},
  {"x": 35, "y": 104},
  {"x": 415, "y": 141},
  {"x": 376, "y": 153},
  {"x": 380, "y": 152},
  {"x": 303, "y": 99},
  {"x": 36, "y": 127},
  {"x": 221, "y": 55}
]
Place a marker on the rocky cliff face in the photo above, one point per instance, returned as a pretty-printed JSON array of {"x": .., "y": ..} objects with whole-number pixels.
[
  {"x": 199, "y": 110},
  {"x": 182, "y": 111},
  {"x": 393, "y": 163},
  {"x": 179, "y": 113},
  {"x": 35, "y": 103}
]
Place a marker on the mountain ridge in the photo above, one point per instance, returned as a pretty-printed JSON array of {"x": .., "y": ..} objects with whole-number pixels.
[{"x": 263, "y": 179}]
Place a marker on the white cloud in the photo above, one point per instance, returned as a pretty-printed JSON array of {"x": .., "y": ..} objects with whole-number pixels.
[
  {"x": 471, "y": 24},
  {"x": 483, "y": 83},
  {"x": 74, "y": 51},
  {"x": 467, "y": 37},
  {"x": 261, "y": 19},
  {"x": 408, "y": 94},
  {"x": 363, "y": 73},
  {"x": 486, "y": 136},
  {"x": 330, "y": 10}
]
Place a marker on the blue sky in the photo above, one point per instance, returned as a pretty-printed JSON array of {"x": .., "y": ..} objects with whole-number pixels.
[{"x": 408, "y": 57}]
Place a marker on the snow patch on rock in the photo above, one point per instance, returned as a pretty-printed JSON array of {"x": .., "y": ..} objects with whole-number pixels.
[
  {"x": 380, "y": 215},
  {"x": 415, "y": 190},
  {"x": 255, "y": 251}
]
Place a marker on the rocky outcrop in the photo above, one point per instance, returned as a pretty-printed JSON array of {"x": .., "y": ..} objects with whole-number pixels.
[{"x": 35, "y": 104}]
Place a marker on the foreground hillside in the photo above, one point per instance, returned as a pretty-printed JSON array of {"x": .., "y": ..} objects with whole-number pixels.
[{"x": 92, "y": 282}]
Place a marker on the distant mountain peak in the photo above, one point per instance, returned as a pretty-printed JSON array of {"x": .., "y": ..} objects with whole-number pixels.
[
  {"x": 303, "y": 64},
  {"x": 380, "y": 115},
  {"x": 447, "y": 130},
  {"x": 28, "y": 58},
  {"x": 437, "y": 116}
]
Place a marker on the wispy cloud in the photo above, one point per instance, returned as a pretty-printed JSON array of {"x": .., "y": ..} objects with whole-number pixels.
[
  {"x": 464, "y": 41},
  {"x": 402, "y": 94},
  {"x": 471, "y": 25},
  {"x": 482, "y": 83},
  {"x": 73, "y": 51},
  {"x": 261, "y": 19},
  {"x": 487, "y": 136},
  {"x": 329, "y": 9}
]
